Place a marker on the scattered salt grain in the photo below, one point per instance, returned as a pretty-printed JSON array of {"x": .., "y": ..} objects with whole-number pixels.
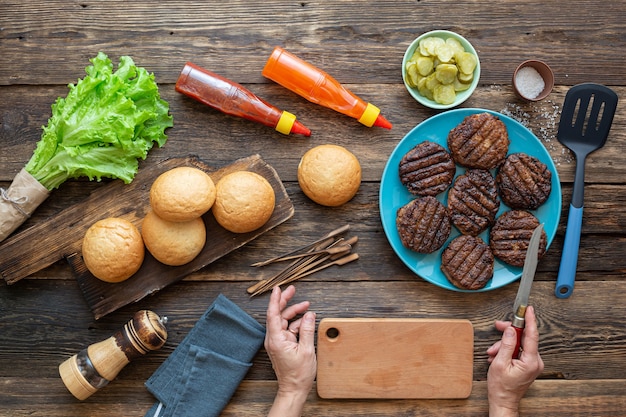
[
  {"x": 529, "y": 82},
  {"x": 542, "y": 118}
]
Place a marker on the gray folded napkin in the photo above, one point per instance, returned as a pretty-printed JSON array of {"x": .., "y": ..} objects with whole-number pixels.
[{"x": 201, "y": 375}]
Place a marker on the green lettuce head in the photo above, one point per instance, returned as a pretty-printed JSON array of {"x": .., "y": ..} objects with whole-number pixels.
[{"x": 105, "y": 124}]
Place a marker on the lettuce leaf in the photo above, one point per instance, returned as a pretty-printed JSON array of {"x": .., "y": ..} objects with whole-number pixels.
[{"x": 107, "y": 121}]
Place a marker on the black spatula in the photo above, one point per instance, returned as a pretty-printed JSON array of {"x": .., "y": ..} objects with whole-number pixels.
[{"x": 586, "y": 119}]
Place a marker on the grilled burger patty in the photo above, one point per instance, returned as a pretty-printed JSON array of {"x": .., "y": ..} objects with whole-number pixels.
[
  {"x": 524, "y": 181},
  {"x": 473, "y": 201},
  {"x": 479, "y": 141},
  {"x": 427, "y": 169},
  {"x": 467, "y": 262},
  {"x": 423, "y": 224},
  {"x": 510, "y": 236}
]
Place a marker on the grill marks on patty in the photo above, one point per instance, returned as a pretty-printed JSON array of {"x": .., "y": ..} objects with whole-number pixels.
[
  {"x": 423, "y": 224},
  {"x": 427, "y": 169},
  {"x": 524, "y": 181},
  {"x": 473, "y": 201},
  {"x": 467, "y": 262},
  {"x": 479, "y": 141},
  {"x": 510, "y": 235}
]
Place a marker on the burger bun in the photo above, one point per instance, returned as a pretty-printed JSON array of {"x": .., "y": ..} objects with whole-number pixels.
[
  {"x": 330, "y": 175},
  {"x": 182, "y": 194},
  {"x": 112, "y": 249},
  {"x": 244, "y": 201},
  {"x": 173, "y": 243}
]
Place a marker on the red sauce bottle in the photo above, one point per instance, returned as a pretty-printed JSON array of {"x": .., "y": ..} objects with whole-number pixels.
[
  {"x": 231, "y": 98},
  {"x": 318, "y": 87}
]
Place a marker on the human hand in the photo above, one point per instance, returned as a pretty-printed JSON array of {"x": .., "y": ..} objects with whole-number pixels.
[
  {"x": 508, "y": 379},
  {"x": 290, "y": 345}
]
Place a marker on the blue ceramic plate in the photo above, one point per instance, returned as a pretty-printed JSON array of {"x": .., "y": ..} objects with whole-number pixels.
[{"x": 393, "y": 195}]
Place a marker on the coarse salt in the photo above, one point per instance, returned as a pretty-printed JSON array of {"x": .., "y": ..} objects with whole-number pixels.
[{"x": 529, "y": 82}]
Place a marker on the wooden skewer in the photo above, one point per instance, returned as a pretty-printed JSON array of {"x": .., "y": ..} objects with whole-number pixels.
[
  {"x": 299, "y": 271},
  {"x": 253, "y": 288},
  {"x": 294, "y": 268},
  {"x": 264, "y": 284},
  {"x": 339, "y": 262},
  {"x": 352, "y": 241},
  {"x": 330, "y": 250},
  {"x": 312, "y": 265},
  {"x": 329, "y": 235},
  {"x": 319, "y": 259},
  {"x": 303, "y": 262}
]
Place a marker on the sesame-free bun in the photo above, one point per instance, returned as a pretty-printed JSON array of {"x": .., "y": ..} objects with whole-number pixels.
[
  {"x": 113, "y": 249},
  {"x": 244, "y": 201},
  {"x": 330, "y": 175},
  {"x": 173, "y": 243},
  {"x": 182, "y": 194}
]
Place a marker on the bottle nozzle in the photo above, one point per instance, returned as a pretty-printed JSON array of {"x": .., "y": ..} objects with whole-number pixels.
[
  {"x": 382, "y": 122},
  {"x": 300, "y": 129},
  {"x": 371, "y": 117},
  {"x": 288, "y": 124}
]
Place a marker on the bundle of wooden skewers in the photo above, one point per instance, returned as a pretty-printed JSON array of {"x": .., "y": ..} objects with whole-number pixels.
[{"x": 329, "y": 250}]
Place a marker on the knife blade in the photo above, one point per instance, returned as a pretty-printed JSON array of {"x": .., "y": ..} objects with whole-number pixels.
[{"x": 526, "y": 282}]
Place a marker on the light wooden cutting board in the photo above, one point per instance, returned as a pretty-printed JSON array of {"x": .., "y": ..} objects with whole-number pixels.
[{"x": 394, "y": 358}]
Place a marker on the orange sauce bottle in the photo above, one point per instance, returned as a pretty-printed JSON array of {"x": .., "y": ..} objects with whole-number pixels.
[
  {"x": 318, "y": 87},
  {"x": 231, "y": 98}
]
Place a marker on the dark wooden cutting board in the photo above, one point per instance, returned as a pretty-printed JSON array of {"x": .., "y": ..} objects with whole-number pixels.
[
  {"x": 61, "y": 235},
  {"x": 394, "y": 358}
]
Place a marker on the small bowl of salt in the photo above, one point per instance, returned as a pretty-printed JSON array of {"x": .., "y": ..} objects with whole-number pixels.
[{"x": 533, "y": 80}]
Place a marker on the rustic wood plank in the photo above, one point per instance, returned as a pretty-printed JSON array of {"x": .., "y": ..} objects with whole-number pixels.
[
  {"x": 587, "y": 322},
  {"x": 253, "y": 398},
  {"x": 335, "y": 34},
  {"x": 602, "y": 242},
  {"x": 44, "y": 318},
  {"x": 220, "y": 139},
  {"x": 545, "y": 398}
]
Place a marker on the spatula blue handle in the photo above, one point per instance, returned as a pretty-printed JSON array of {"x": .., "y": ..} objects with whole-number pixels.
[{"x": 569, "y": 258}]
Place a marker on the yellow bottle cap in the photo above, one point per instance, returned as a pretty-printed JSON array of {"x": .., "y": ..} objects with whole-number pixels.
[
  {"x": 370, "y": 115},
  {"x": 285, "y": 123}
]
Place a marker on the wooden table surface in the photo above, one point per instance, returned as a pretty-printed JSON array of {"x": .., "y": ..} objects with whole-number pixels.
[{"x": 44, "y": 318}]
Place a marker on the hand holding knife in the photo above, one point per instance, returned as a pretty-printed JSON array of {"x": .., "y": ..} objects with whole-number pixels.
[{"x": 523, "y": 293}]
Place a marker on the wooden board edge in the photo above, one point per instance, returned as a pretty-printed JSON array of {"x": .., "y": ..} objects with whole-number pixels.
[{"x": 104, "y": 298}]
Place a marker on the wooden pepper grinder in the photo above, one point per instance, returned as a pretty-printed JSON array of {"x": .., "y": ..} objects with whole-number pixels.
[{"x": 98, "y": 364}]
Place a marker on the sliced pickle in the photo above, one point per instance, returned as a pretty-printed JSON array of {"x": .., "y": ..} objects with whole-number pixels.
[
  {"x": 444, "y": 94},
  {"x": 415, "y": 55},
  {"x": 432, "y": 82},
  {"x": 446, "y": 73},
  {"x": 455, "y": 45},
  {"x": 466, "y": 78},
  {"x": 440, "y": 68},
  {"x": 423, "y": 90},
  {"x": 424, "y": 65},
  {"x": 428, "y": 46},
  {"x": 460, "y": 86},
  {"x": 412, "y": 75},
  {"x": 466, "y": 62},
  {"x": 445, "y": 53}
]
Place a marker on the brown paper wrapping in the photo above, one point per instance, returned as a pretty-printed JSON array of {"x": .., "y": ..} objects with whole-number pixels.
[{"x": 17, "y": 203}]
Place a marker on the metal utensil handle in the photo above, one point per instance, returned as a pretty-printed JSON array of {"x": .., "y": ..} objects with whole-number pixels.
[{"x": 569, "y": 258}]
